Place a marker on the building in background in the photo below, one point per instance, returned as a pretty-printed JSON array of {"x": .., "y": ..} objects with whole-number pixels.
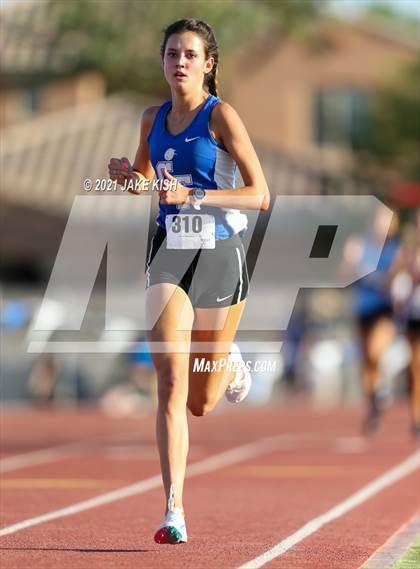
[
  {"x": 37, "y": 76},
  {"x": 304, "y": 101},
  {"x": 310, "y": 98}
]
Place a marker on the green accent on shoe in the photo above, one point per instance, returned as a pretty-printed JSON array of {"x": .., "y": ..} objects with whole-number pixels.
[{"x": 173, "y": 535}]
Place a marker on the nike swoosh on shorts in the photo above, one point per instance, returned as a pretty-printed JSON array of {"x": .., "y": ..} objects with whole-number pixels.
[{"x": 224, "y": 298}]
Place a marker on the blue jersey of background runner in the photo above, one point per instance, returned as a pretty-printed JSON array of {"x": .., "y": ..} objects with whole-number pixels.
[
  {"x": 196, "y": 159},
  {"x": 372, "y": 291}
]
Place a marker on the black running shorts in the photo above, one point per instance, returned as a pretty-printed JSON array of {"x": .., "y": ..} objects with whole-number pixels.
[{"x": 212, "y": 278}]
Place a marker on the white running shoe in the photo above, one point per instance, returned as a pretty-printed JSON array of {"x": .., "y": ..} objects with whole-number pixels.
[
  {"x": 173, "y": 530},
  {"x": 239, "y": 387}
]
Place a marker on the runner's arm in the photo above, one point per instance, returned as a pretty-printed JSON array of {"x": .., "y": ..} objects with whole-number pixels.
[{"x": 231, "y": 131}]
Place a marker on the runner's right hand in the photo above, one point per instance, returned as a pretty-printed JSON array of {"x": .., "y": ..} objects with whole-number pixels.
[{"x": 120, "y": 170}]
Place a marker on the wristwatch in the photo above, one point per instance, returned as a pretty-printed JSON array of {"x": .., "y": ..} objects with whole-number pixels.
[{"x": 198, "y": 195}]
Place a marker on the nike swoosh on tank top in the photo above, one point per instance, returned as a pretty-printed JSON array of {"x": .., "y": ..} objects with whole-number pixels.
[{"x": 196, "y": 159}]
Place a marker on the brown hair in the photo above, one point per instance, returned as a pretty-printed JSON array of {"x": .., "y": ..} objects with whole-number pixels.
[{"x": 210, "y": 45}]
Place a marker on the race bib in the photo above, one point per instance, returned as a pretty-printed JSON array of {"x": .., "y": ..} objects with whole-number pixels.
[{"x": 190, "y": 231}]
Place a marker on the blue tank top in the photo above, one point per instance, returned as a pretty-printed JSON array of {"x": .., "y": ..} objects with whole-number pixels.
[
  {"x": 372, "y": 291},
  {"x": 196, "y": 159}
]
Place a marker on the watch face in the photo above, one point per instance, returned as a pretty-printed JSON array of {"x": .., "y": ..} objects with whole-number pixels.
[{"x": 199, "y": 193}]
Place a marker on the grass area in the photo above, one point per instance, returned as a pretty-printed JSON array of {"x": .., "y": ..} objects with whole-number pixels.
[{"x": 411, "y": 559}]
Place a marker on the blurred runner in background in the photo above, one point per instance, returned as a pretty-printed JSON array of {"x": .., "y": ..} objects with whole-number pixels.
[
  {"x": 406, "y": 294},
  {"x": 373, "y": 305}
]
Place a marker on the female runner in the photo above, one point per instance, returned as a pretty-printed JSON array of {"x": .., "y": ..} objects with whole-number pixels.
[{"x": 197, "y": 280}]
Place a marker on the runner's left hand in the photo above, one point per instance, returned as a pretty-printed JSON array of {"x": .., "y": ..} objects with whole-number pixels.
[{"x": 176, "y": 196}]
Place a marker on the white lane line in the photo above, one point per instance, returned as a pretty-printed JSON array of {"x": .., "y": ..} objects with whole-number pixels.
[
  {"x": 400, "y": 471},
  {"x": 350, "y": 445},
  {"x": 209, "y": 464},
  {"x": 41, "y": 456},
  {"x": 54, "y": 453},
  {"x": 67, "y": 450}
]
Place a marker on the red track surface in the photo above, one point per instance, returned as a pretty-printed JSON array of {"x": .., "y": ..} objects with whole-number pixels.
[{"x": 234, "y": 513}]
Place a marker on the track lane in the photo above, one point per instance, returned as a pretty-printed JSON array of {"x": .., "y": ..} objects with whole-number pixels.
[
  {"x": 215, "y": 541},
  {"x": 240, "y": 515}
]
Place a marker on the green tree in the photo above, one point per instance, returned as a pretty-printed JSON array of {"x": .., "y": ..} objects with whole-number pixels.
[
  {"x": 395, "y": 126},
  {"x": 388, "y": 16},
  {"x": 121, "y": 38}
]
